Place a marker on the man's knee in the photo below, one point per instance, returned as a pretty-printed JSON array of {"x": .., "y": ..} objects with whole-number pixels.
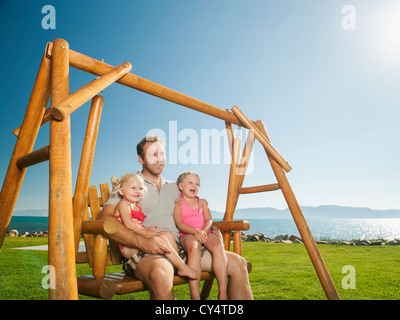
[
  {"x": 157, "y": 273},
  {"x": 161, "y": 275},
  {"x": 236, "y": 264}
]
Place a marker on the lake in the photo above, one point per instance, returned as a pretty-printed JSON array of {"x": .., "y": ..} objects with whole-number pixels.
[{"x": 338, "y": 229}]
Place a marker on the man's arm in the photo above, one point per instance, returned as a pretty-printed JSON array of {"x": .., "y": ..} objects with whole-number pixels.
[{"x": 127, "y": 237}]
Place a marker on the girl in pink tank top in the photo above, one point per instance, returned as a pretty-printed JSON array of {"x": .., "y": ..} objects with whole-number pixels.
[{"x": 193, "y": 219}]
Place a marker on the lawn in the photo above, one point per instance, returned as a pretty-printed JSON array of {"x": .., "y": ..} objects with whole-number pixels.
[{"x": 280, "y": 272}]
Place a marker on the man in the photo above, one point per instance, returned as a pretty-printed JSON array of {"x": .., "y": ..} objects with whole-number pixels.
[{"x": 154, "y": 270}]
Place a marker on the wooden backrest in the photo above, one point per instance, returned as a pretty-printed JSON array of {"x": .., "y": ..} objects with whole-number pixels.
[{"x": 91, "y": 213}]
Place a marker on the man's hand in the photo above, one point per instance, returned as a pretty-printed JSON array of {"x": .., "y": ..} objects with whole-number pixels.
[
  {"x": 153, "y": 245},
  {"x": 216, "y": 231}
]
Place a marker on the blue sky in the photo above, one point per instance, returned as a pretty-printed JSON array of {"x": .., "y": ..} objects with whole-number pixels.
[{"x": 328, "y": 96}]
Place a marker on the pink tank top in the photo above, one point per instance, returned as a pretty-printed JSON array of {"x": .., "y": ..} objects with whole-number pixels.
[{"x": 192, "y": 217}]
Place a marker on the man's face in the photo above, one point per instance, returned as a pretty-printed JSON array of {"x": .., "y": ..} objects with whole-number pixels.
[{"x": 153, "y": 159}]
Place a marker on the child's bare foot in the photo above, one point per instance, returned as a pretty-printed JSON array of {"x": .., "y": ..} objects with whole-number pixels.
[{"x": 186, "y": 271}]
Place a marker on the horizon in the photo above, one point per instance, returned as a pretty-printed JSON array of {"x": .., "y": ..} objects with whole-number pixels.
[
  {"x": 221, "y": 212},
  {"x": 323, "y": 78}
]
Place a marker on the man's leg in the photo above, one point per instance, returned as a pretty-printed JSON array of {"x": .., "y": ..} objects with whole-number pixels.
[
  {"x": 238, "y": 278},
  {"x": 157, "y": 274}
]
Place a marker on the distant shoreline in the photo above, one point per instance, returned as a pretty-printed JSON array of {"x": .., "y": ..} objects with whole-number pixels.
[{"x": 318, "y": 212}]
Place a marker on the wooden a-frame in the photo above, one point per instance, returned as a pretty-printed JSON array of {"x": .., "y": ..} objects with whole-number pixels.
[{"x": 65, "y": 216}]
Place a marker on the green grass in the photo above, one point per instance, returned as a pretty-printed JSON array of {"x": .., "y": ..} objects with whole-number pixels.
[{"x": 280, "y": 272}]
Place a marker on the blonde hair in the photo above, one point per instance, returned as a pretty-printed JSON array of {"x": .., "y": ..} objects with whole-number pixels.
[
  {"x": 183, "y": 175},
  {"x": 117, "y": 183}
]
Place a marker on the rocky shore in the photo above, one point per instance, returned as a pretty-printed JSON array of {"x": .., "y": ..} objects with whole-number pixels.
[
  {"x": 15, "y": 233},
  {"x": 259, "y": 237}
]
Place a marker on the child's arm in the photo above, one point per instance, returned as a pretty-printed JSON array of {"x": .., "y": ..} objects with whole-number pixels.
[
  {"x": 207, "y": 216},
  {"x": 199, "y": 234},
  {"x": 125, "y": 213}
]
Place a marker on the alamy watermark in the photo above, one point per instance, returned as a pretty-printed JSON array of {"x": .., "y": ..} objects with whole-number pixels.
[
  {"x": 349, "y": 281},
  {"x": 49, "y": 20},
  {"x": 209, "y": 146},
  {"x": 349, "y": 18},
  {"x": 49, "y": 280}
]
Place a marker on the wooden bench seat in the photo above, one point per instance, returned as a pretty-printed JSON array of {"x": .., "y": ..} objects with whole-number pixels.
[{"x": 101, "y": 251}]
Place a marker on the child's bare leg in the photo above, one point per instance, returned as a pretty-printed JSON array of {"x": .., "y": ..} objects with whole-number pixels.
[
  {"x": 219, "y": 264},
  {"x": 171, "y": 239},
  {"x": 183, "y": 269},
  {"x": 193, "y": 250}
]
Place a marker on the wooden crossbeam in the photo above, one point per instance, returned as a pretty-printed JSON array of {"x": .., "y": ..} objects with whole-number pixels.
[
  {"x": 34, "y": 157},
  {"x": 263, "y": 140},
  {"x": 263, "y": 188},
  {"x": 88, "y": 91}
]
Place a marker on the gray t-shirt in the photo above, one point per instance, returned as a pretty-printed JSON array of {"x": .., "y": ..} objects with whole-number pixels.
[{"x": 158, "y": 206}]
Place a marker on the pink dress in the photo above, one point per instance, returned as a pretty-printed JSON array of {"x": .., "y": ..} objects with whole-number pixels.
[{"x": 192, "y": 217}]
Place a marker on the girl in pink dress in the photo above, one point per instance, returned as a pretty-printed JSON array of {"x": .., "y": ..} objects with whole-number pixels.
[{"x": 193, "y": 219}]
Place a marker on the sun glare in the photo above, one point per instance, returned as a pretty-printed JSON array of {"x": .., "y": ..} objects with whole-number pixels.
[{"x": 386, "y": 29}]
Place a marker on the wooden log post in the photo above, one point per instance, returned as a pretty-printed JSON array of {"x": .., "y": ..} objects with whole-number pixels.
[
  {"x": 244, "y": 163},
  {"x": 99, "y": 257},
  {"x": 306, "y": 235},
  {"x": 85, "y": 166},
  {"x": 61, "y": 232},
  {"x": 45, "y": 119},
  {"x": 24, "y": 145},
  {"x": 232, "y": 190}
]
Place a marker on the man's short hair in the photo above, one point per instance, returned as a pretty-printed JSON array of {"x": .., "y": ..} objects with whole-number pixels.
[{"x": 147, "y": 138}]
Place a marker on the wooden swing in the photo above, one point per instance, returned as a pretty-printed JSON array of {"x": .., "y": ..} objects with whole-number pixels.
[{"x": 69, "y": 219}]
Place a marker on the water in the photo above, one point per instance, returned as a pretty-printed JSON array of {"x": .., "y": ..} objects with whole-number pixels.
[
  {"x": 29, "y": 224},
  {"x": 338, "y": 229}
]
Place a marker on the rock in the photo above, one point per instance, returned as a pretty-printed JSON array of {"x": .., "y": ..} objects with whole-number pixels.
[
  {"x": 297, "y": 241},
  {"x": 252, "y": 237},
  {"x": 321, "y": 242},
  {"x": 282, "y": 237},
  {"x": 24, "y": 234},
  {"x": 392, "y": 242},
  {"x": 13, "y": 233},
  {"x": 294, "y": 237},
  {"x": 348, "y": 243},
  {"x": 363, "y": 243},
  {"x": 377, "y": 243}
]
